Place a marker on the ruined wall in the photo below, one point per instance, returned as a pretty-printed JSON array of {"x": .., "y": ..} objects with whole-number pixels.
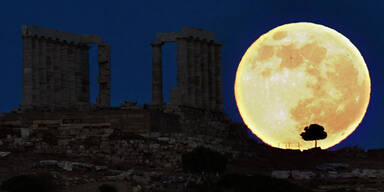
[
  {"x": 199, "y": 83},
  {"x": 56, "y": 69}
]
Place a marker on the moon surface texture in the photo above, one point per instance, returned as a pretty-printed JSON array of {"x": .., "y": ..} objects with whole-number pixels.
[{"x": 300, "y": 74}]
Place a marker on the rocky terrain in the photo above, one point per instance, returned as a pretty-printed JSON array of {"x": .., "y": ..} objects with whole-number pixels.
[
  {"x": 153, "y": 163},
  {"x": 81, "y": 157}
]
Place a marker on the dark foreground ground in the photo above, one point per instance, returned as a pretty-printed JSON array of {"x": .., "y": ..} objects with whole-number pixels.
[{"x": 251, "y": 167}]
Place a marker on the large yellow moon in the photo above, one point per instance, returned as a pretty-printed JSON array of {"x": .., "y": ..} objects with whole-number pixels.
[{"x": 300, "y": 74}]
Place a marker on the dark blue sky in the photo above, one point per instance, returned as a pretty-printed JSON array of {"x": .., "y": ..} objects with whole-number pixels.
[{"x": 129, "y": 26}]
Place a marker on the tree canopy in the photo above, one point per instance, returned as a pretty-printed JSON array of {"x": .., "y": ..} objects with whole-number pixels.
[{"x": 314, "y": 132}]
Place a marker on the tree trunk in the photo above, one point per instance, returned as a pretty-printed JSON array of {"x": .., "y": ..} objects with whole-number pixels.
[{"x": 315, "y": 143}]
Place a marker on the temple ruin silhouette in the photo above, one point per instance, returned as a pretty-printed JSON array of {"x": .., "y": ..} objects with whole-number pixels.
[{"x": 55, "y": 85}]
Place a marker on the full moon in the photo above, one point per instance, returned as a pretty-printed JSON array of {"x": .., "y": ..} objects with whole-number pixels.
[{"x": 300, "y": 74}]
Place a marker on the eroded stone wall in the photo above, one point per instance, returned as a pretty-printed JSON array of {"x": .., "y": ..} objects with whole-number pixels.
[
  {"x": 56, "y": 70},
  {"x": 199, "y": 83}
]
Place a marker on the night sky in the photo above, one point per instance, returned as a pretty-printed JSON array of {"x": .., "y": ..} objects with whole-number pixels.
[{"x": 129, "y": 26}]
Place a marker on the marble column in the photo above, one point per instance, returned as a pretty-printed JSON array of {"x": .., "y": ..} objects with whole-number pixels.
[
  {"x": 42, "y": 72},
  {"x": 49, "y": 54},
  {"x": 157, "y": 81},
  {"x": 205, "y": 75},
  {"x": 82, "y": 73},
  {"x": 56, "y": 73},
  {"x": 190, "y": 99},
  {"x": 219, "y": 84},
  {"x": 36, "y": 72},
  {"x": 64, "y": 92},
  {"x": 195, "y": 68},
  {"x": 78, "y": 72},
  {"x": 104, "y": 79},
  {"x": 182, "y": 70},
  {"x": 84, "y": 60},
  {"x": 59, "y": 65},
  {"x": 212, "y": 75},
  {"x": 27, "y": 72},
  {"x": 199, "y": 74},
  {"x": 71, "y": 75}
]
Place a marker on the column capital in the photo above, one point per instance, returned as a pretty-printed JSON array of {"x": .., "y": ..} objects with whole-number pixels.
[{"x": 156, "y": 43}]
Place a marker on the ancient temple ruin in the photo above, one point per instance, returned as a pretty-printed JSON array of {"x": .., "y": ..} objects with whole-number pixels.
[
  {"x": 199, "y": 83},
  {"x": 55, "y": 94},
  {"x": 56, "y": 69}
]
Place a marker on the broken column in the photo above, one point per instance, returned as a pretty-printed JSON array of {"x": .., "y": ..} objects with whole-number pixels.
[{"x": 157, "y": 81}]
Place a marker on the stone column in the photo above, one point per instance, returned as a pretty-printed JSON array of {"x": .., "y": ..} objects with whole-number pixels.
[
  {"x": 27, "y": 72},
  {"x": 71, "y": 75},
  {"x": 78, "y": 72},
  {"x": 36, "y": 73},
  {"x": 212, "y": 76},
  {"x": 198, "y": 67},
  {"x": 104, "y": 79},
  {"x": 195, "y": 73},
  {"x": 157, "y": 81},
  {"x": 57, "y": 73},
  {"x": 42, "y": 72},
  {"x": 64, "y": 92},
  {"x": 84, "y": 59},
  {"x": 53, "y": 71},
  {"x": 182, "y": 71},
  {"x": 219, "y": 83},
  {"x": 205, "y": 59},
  {"x": 190, "y": 98},
  {"x": 50, "y": 92}
]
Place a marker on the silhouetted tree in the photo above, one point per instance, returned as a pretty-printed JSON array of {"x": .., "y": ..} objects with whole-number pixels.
[{"x": 314, "y": 132}]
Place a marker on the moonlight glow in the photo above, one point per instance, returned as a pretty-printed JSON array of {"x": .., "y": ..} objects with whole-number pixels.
[{"x": 300, "y": 74}]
